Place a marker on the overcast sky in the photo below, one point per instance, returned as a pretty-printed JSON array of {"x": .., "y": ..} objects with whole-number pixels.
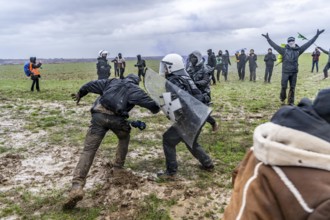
[{"x": 79, "y": 29}]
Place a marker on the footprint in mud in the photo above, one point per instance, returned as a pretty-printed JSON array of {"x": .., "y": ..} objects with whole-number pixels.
[{"x": 124, "y": 178}]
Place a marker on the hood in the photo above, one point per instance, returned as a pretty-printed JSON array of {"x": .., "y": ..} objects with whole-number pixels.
[
  {"x": 199, "y": 56},
  {"x": 133, "y": 78},
  {"x": 321, "y": 104},
  {"x": 308, "y": 117},
  {"x": 278, "y": 145}
]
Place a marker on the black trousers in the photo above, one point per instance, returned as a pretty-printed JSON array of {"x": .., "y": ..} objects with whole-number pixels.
[
  {"x": 268, "y": 73},
  {"x": 325, "y": 70},
  {"x": 292, "y": 79},
  {"x": 219, "y": 70},
  {"x": 35, "y": 81},
  {"x": 100, "y": 125},
  {"x": 212, "y": 77},
  {"x": 225, "y": 71},
  {"x": 170, "y": 139},
  {"x": 252, "y": 73},
  {"x": 122, "y": 70},
  {"x": 241, "y": 71},
  {"x": 141, "y": 73},
  {"x": 210, "y": 120}
]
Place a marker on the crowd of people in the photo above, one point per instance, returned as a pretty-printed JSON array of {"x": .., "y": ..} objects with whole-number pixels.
[{"x": 288, "y": 164}]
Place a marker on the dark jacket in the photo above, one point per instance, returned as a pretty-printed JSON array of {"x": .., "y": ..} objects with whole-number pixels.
[
  {"x": 103, "y": 68},
  {"x": 252, "y": 59},
  {"x": 119, "y": 95},
  {"x": 291, "y": 55},
  {"x": 269, "y": 59},
  {"x": 200, "y": 73},
  {"x": 225, "y": 59},
  {"x": 141, "y": 63},
  {"x": 211, "y": 60},
  {"x": 316, "y": 55},
  {"x": 241, "y": 59},
  {"x": 182, "y": 80}
]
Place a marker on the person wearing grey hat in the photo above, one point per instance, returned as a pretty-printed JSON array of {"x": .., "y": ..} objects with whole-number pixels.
[{"x": 290, "y": 54}]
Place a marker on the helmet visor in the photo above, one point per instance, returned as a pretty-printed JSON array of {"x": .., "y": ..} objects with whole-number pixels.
[{"x": 163, "y": 68}]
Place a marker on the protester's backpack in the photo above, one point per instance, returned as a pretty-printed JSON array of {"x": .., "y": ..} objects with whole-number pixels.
[
  {"x": 115, "y": 99},
  {"x": 27, "y": 70}
]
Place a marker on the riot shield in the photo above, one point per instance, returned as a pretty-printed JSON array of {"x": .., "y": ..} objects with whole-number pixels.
[{"x": 186, "y": 112}]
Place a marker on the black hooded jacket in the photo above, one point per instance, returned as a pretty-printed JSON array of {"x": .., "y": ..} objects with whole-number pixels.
[
  {"x": 103, "y": 68},
  {"x": 141, "y": 63},
  {"x": 182, "y": 80},
  {"x": 119, "y": 95},
  {"x": 269, "y": 59},
  {"x": 290, "y": 55},
  {"x": 200, "y": 73},
  {"x": 225, "y": 58}
]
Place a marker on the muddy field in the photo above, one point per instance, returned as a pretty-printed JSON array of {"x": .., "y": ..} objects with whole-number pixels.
[{"x": 36, "y": 165}]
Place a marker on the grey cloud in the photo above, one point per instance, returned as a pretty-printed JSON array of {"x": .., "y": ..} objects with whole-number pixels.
[{"x": 71, "y": 28}]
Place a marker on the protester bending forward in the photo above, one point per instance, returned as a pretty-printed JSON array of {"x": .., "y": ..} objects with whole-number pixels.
[{"x": 109, "y": 112}]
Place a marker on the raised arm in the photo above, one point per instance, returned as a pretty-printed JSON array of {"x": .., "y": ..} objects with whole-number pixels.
[
  {"x": 323, "y": 50},
  {"x": 310, "y": 42},
  {"x": 278, "y": 48}
]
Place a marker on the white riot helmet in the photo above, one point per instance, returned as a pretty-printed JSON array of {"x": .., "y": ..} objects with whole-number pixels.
[
  {"x": 170, "y": 63},
  {"x": 103, "y": 53}
]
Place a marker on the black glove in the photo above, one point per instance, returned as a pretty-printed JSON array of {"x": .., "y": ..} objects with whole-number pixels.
[
  {"x": 76, "y": 97},
  {"x": 207, "y": 98},
  {"x": 319, "y": 31},
  {"x": 139, "y": 124},
  {"x": 265, "y": 35}
]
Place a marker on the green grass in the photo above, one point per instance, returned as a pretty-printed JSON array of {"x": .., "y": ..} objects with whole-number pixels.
[{"x": 154, "y": 208}]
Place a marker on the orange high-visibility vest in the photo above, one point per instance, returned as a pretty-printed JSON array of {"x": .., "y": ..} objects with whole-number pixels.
[{"x": 34, "y": 71}]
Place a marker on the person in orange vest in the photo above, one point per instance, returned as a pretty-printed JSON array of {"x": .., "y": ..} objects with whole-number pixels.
[{"x": 34, "y": 68}]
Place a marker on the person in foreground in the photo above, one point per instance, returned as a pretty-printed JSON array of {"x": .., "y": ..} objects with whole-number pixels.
[
  {"x": 286, "y": 174},
  {"x": 172, "y": 67},
  {"x": 109, "y": 112}
]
